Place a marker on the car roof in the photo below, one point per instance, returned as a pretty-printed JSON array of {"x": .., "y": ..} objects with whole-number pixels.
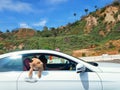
[{"x": 38, "y": 51}]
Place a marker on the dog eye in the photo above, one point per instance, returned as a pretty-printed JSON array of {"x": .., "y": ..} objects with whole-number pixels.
[{"x": 38, "y": 62}]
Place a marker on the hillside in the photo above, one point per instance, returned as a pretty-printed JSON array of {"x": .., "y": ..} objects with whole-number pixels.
[{"x": 94, "y": 34}]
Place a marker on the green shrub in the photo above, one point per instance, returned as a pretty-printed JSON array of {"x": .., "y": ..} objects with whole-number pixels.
[
  {"x": 1, "y": 46},
  {"x": 116, "y": 3},
  {"x": 102, "y": 10},
  {"x": 119, "y": 50},
  {"x": 111, "y": 45},
  {"x": 83, "y": 54}
]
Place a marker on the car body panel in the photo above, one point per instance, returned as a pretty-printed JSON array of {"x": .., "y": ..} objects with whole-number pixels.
[
  {"x": 110, "y": 81},
  {"x": 109, "y": 67},
  {"x": 102, "y": 77},
  {"x": 61, "y": 80},
  {"x": 8, "y": 80}
]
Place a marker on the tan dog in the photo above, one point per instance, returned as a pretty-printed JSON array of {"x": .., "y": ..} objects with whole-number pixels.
[{"x": 36, "y": 64}]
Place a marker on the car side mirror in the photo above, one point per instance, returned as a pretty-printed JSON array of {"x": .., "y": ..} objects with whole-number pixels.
[{"x": 80, "y": 68}]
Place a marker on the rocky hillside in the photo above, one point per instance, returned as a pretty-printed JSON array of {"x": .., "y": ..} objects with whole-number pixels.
[
  {"x": 109, "y": 16},
  {"x": 94, "y": 34},
  {"x": 17, "y": 34},
  {"x": 23, "y": 33},
  {"x": 105, "y": 23},
  {"x": 11, "y": 41}
]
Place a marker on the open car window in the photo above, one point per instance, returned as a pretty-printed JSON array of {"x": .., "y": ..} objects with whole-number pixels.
[{"x": 50, "y": 62}]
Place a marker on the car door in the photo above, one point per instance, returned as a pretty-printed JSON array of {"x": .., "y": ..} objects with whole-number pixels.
[
  {"x": 60, "y": 74},
  {"x": 10, "y": 69}
]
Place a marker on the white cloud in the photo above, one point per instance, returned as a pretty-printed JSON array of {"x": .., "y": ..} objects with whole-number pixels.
[
  {"x": 38, "y": 24},
  {"x": 56, "y": 1},
  {"x": 24, "y": 25},
  {"x": 41, "y": 23},
  {"x": 14, "y": 5}
]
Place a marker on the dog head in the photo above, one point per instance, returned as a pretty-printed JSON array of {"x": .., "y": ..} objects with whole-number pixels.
[{"x": 36, "y": 63}]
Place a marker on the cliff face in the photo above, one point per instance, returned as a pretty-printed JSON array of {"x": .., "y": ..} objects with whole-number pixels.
[
  {"x": 106, "y": 23},
  {"x": 109, "y": 15},
  {"x": 91, "y": 22},
  {"x": 24, "y": 32}
]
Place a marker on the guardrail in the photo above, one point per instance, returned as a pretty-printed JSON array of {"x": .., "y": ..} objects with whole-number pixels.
[{"x": 104, "y": 57}]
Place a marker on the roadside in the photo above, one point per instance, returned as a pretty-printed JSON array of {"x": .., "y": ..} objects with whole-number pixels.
[
  {"x": 112, "y": 61},
  {"x": 103, "y": 58}
]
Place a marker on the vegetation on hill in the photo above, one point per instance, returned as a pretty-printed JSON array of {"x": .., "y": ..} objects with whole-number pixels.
[{"x": 98, "y": 32}]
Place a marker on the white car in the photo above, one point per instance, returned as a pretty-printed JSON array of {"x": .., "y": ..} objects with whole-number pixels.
[{"x": 62, "y": 72}]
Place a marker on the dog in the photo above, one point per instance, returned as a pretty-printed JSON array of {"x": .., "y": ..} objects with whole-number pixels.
[{"x": 37, "y": 65}]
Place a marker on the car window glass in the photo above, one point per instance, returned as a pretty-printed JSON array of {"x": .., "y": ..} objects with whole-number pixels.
[
  {"x": 56, "y": 60},
  {"x": 59, "y": 63},
  {"x": 12, "y": 63}
]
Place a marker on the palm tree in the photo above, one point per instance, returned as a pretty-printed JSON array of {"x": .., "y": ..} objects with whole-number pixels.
[
  {"x": 75, "y": 16},
  {"x": 86, "y": 10},
  {"x": 96, "y": 7}
]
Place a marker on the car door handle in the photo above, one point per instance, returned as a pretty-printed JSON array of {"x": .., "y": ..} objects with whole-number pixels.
[{"x": 31, "y": 80}]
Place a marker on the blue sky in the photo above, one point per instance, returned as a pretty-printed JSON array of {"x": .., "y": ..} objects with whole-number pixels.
[{"x": 39, "y": 13}]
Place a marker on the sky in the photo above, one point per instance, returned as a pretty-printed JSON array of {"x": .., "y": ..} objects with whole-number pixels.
[{"x": 39, "y": 13}]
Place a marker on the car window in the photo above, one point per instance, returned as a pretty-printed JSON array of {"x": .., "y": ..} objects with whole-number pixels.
[
  {"x": 59, "y": 63},
  {"x": 56, "y": 60},
  {"x": 27, "y": 59},
  {"x": 11, "y": 63},
  {"x": 50, "y": 62}
]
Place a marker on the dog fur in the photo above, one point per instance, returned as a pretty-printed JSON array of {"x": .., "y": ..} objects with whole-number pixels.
[{"x": 36, "y": 64}]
